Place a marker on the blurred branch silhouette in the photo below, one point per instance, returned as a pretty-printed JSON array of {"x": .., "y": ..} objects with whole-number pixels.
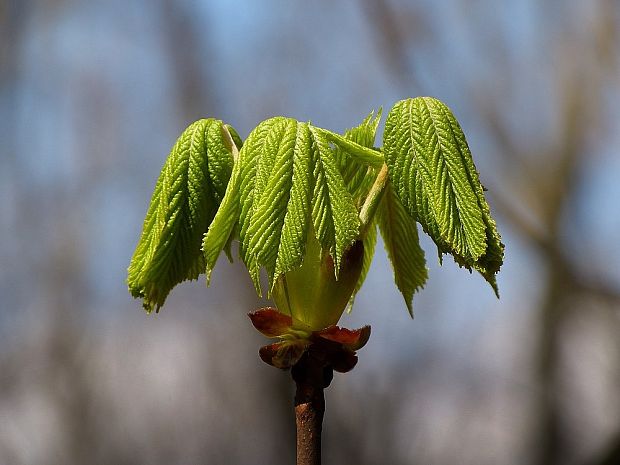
[
  {"x": 584, "y": 71},
  {"x": 187, "y": 49},
  {"x": 584, "y": 67},
  {"x": 61, "y": 368}
]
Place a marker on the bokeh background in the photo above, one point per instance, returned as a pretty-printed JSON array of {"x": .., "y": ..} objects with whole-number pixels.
[{"x": 94, "y": 93}]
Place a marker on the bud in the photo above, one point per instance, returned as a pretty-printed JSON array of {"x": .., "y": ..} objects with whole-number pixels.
[{"x": 310, "y": 294}]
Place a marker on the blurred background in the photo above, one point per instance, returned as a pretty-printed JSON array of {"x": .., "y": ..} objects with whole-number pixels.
[{"x": 94, "y": 93}]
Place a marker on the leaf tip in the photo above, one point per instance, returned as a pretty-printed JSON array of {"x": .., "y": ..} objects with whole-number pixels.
[{"x": 409, "y": 303}]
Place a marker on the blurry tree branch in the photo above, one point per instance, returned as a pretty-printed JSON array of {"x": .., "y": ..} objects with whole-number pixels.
[
  {"x": 581, "y": 88},
  {"x": 610, "y": 455},
  {"x": 188, "y": 51},
  {"x": 392, "y": 31},
  {"x": 584, "y": 66}
]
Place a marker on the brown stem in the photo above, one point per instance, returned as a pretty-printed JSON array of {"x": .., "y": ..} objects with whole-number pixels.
[{"x": 311, "y": 377}]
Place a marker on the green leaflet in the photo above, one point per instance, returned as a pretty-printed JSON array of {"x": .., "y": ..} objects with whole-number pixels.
[
  {"x": 359, "y": 178},
  {"x": 334, "y": 216},
  {"x": 263, "y": 225},
  {"x": 400, "y": 237},
  {"x": 185, "y": 199},
  {"x": 296, "y": 221},
  {"x": 433, "y": 174},
  {"x": 220, "y": 232},
  {"x": 287, "y": 183},
  {"x": 358, "y": 175}
]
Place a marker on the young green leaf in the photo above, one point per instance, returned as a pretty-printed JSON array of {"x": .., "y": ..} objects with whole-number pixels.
[
  {"x": 267, "y": 164},
  {"x": 433, "y": 174},
  {"x": 296, "y": 225},
  {"x": 288, "y": 184},
  {"x": 334, "y": 215},
  {"x": 359, "y": 178},
  {"x": 220, "y": 232},
  {"x": 358, "y": 175},
  {"x": 262, "y": 227},
  {"x": 186, "y": 196},
  {"x": 400, "y": 237}
]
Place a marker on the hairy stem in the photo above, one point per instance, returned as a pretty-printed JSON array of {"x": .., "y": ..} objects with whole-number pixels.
[
  {"x": 367, "y": 155},
  {"x": 311, "y": 378},
  {"x": 373, "y": 199}
]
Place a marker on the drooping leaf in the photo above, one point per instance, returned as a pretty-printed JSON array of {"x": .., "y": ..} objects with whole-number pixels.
[
  {"x": 275, "y": 189},
  {"x": 249, "y": 157},
  {"x": 220, "y": 231},
  {"x": 296, "y": 225},
  {"x": 186, "y": 196},
  {"x": 490, "y": 262},
  {"x": 334, "y": 216},
  {"x": 359, "y": 178},
  {"x": 434, "y": 176},
  {"x": 400, "y": 237},
  {"x": 288, "y": 186},
  {"x": 261, "y": 228}
]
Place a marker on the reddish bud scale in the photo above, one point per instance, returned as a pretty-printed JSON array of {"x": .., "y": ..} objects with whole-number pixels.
[{"x": 334, "y": 346}]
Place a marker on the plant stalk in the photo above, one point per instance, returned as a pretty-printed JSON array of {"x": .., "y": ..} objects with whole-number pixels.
[
  {"x": 311, "y": 378},
  {"x": 373, "y": 200},
  {"x": 370, "y": 156}
]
